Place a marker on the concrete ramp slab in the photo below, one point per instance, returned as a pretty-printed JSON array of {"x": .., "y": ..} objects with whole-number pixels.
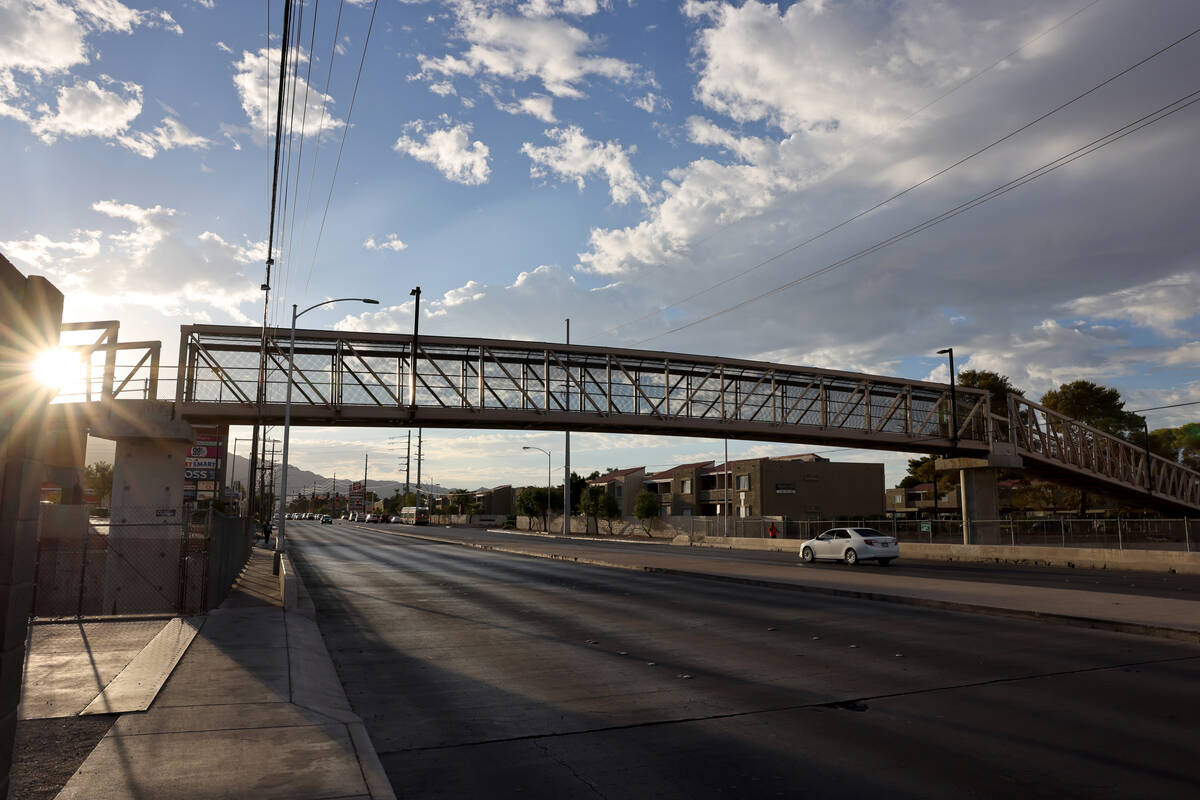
[{"x": 135, "y": 688}]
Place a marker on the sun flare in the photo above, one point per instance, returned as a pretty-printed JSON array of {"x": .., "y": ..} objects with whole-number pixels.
[{"x": 57, "y": 367}]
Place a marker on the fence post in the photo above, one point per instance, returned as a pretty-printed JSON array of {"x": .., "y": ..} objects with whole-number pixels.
[
  {"x": 1012, "y": 533},
  {"x": 1062, "y": 525},
  {"x": 1120, "y": 546},
  {"x": 1187, "y": 538}
]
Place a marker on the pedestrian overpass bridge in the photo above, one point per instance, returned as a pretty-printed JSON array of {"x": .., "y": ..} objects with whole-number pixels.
[{"x": 387, "y": 380}]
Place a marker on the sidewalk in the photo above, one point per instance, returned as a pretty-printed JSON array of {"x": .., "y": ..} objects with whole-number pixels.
[
  {"x": 254, "y": 708},
  {"x": 1153, "y": 616}
]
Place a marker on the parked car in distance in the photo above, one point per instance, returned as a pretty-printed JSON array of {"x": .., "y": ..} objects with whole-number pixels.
[
  {"x": 326, "y": 519},
  {"x": 372, "y": 518},
  {"x": 394, "y": 518},
  {"x": 851, "y": 545}
]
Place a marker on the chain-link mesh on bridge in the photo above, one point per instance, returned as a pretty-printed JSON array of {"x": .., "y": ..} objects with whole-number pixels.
[{"x": 377, "y": 379}]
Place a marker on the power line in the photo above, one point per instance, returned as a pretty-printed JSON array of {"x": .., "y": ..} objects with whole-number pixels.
[
  {"x": 935, "y": 101},
  {"x": 903, "y": 192},
  {"x": 345, "y": 131},
  {"x": 1048, "y": 167},
  {"x": 321, "y": 129}
]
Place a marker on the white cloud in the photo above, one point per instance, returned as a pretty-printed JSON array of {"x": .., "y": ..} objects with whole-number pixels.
[
  {"x": 137, "y": 267},
  {"x": 224, "y": 48},
  {"x": 651, "y": 102},
  {"x": 521, "y": 48},
  {"x": 442, "y": 88},
  {"x": 88, "y": 109},
  {"x": 574, "y": 156},
  {"x": 549, "y": 8},
  {"x": 257, "y": 83},
  {"x": 246, "y": 253},
  {"x": 538, "y": 105},
  {"x": 449, "y": 150},
  {"x": 1160, "y": 304},
  {"x": 390, "y": 242}
]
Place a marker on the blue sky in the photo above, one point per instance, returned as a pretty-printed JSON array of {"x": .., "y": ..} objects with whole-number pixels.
[{"x": 526, "y": 161}]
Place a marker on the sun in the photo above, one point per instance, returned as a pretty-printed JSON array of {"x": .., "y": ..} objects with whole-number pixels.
[{"x": 57, "y": 367}]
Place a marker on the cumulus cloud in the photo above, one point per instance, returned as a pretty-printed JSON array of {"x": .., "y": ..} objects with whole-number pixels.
[
  {"x": 529, "y": 46},
  {"x": 390, "y": 242},
  {"x": 88, "y": 109},
  {"x": 538, "y": 105},
  {"x": 1161, "y": 304},
  {"x": 574, "y": 156},
  {"x": 449, "y": 150},
  {"x": 258, "y": 90},
  {"x": 137, "y": 266}
]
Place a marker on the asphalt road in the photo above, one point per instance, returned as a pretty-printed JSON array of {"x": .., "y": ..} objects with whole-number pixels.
[
  {"x": 481, "y": 674},
  {"x": 1152, "y": 584}
]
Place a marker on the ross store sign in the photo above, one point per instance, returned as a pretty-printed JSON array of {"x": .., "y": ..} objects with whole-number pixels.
[{"x": 199, "y": 474}]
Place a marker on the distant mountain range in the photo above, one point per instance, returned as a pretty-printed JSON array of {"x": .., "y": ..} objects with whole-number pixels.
[{"x": 303, "y": 481}]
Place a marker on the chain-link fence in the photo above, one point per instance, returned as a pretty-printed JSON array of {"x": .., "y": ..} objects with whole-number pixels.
[
  {"x": 1116, "y": 534},
  {"x": 138, "y": 561}
]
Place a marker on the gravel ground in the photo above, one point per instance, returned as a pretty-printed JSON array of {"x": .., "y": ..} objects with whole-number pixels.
[{"x": 48, "y": 751}]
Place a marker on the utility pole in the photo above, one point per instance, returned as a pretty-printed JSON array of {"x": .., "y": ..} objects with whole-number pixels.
[
  {"x": 418, "y": 466},
  {"x": 567, "y": 452},
  {"x": 407, "y": 463},
  {"x": 366, "y": 456}
]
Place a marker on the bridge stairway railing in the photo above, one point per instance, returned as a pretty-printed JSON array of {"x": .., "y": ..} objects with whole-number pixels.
[{"x": 1043, "y": 436}]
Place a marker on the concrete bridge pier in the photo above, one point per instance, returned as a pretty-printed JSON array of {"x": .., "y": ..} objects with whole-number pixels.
[
  {"x": 978, "y": 480},
  {"x": 147, "y": 524}
]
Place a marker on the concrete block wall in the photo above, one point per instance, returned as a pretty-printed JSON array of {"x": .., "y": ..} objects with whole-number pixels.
[{"x": 30, "y": 320}]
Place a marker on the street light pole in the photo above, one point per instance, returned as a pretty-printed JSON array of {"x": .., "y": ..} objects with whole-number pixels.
[
  {"x": 412, "y": 363},
  {"x": 546, "y": 526},
  {"x": 953, "y": 401},
  {"x": 287, "y": 416},
  {"x": 566, "y": 454}
]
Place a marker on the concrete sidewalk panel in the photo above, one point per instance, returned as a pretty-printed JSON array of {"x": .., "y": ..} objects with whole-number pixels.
[
  {"x": 315, "y": 761},
  {"x": 231, "y": 628},
  {"x": 210, "y": 675},
  {"x": 135, "y": 688},
  {"x": 69, "y": 663},
  {"x": 372, "y": 768},
  {"x": 195, "y": 719}
]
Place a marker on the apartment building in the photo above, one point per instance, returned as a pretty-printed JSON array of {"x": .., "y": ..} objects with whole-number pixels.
[
  {"x": 801, "y": 486},
  {"x": 623, "y": 484},
  {"x": 497, "y": 500}
]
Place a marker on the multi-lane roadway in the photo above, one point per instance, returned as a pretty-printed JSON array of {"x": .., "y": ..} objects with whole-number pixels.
[{"x": 485, "y": 674}]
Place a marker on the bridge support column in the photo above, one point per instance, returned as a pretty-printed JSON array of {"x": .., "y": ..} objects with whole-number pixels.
[
  {"x": 980, "y": 501},
  {"x": 32, "y": 312},
  {"x": 979, "y": 496},
  {"x": 147, "y": 526}
]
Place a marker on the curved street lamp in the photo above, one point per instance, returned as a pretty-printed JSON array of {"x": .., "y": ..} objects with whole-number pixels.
[
  {"x": 280, "y": 542},
  {"x": 546, "y": 527}
]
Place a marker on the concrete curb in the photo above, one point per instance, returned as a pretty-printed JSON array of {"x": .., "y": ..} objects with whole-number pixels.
[
  {"x": 1157, "y": 631},
  {"x": 314, "y": 677}
]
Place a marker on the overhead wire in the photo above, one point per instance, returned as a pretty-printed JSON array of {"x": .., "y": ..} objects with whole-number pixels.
[
  {"x": 1050, "y": 166},
  {"x": 337, "y": 27},
  {"x": 303, "y": 132},
  {"x": 934, "y": 176},
  {"x": 969, "y": 79},
  {"x": 298, "y": 28},
  {"x": 345, "y": 131}
]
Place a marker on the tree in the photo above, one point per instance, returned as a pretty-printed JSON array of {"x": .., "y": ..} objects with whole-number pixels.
[
  {"x": 1096, "y": 405},
  {"x": 99, "y": 478},
  {"x": 1180, "y": 445},
  {"x": 531, "y": 502},
  {"x": 578, "y": 487},
  {"x": 646, "y": 507},
  {"x": 590, "y": 502},
  {"x": 996, "y": 385},
  {"x": 461, "y": 500},
  {"x": 609, "y": 510}
]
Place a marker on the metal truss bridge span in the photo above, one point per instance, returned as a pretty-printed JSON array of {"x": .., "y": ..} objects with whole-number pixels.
[{"x": 369, "y": 379}]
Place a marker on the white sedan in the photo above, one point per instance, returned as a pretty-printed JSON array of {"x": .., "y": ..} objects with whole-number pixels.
[{"x": 851, "y": 545}]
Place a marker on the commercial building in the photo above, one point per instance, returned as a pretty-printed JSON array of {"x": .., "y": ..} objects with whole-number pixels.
[{"x": 497, "y": 500}]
